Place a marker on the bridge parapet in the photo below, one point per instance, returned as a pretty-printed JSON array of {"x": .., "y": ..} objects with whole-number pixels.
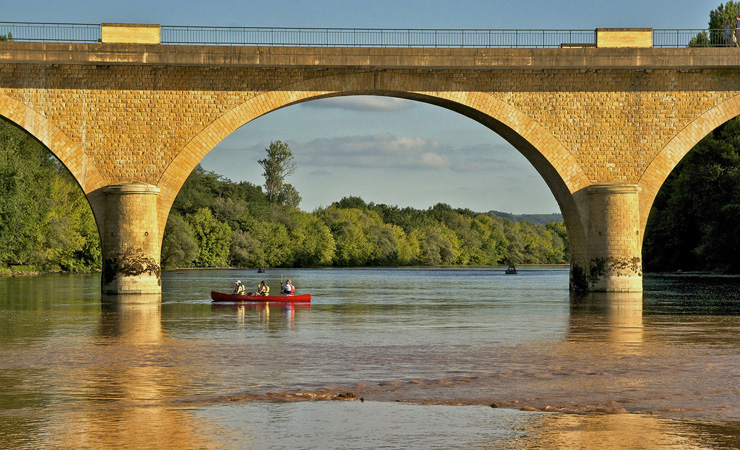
[{"x": 361, "y": 37}]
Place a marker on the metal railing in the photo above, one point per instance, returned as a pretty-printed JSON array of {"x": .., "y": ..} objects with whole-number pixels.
[
  {"x": 692, "y": 38},
  {"x": 368, "y": 37},
  {"x": 50, "y": 32},
  {"x": 358, "y": 37}
]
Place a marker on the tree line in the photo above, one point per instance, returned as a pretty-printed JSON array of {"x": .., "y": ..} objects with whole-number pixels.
[
  {"x": 46, "y": 223},
  {"x": 216, "y": 222}
]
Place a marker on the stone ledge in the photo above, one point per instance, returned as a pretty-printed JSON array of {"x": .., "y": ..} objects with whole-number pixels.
[{"x": 586, "y": 58}]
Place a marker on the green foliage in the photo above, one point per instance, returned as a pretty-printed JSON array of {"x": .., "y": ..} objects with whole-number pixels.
[
  {"x": 313, "y": 242},
  {"x": 46, "y": 223},
  {"x": 213, "y": 238},
  {"x": 45, "y": 220},
  {"x": 6, "y": 37},
  {"x": 278, "y": 165},
  {"x": 352, "y": 236},
  {"x": 725, "y": 12},
  {"x": 179, "y": 247},
  {"x": 694, "y": 220}
]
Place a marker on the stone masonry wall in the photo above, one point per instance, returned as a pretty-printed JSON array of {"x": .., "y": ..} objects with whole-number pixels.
[{"x": 132, "y": 121}]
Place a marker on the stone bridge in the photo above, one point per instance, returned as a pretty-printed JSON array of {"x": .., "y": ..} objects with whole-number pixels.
[{"x": 604, "y": 125}]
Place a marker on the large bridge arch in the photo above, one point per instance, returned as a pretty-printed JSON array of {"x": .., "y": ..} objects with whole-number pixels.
[
  {"x": 674, "y": 151},
  {"x": 559, "y": 169},
  {"x": 69, "y": 152}
]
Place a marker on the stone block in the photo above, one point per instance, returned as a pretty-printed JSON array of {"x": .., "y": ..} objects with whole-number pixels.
[
  {"x": 127, "y": 33},
  {"x": 624, "y": 37}
]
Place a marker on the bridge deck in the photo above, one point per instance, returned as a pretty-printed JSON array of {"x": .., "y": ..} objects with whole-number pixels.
[{"x": 373, "y": 58}]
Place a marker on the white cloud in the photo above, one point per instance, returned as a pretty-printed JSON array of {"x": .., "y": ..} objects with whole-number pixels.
[
  {"x": 402, "y": 152},
  {"x": 363, "y": 103},
  {"x": 378, "y": 151},
  {"x": 434, "y": 160}
]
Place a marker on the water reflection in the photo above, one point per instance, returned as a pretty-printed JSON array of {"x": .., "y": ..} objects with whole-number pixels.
[
  {"x": 131, "y": 299},
  {"x": 273, "y": 315},
  {"x": 75, "y": 374},
  {"x": 613, "y": 316},
  {"x": 588, "y": 431},
  {"x": 134, "y": 323},
  {"x": 127, "y": 394}
]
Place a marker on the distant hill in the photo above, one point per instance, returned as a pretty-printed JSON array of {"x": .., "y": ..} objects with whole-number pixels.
[{"x": 541, "y": 219}]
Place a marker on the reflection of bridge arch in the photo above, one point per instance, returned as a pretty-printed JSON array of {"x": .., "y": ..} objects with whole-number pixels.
[{"x": 558, "y": 168}]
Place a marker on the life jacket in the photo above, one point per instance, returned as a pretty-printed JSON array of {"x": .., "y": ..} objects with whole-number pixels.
[{"x": 265, "y": 292}]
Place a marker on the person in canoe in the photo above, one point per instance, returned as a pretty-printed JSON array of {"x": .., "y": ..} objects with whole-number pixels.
[
  {"x": 288, "y": 288},
  {"x": 263, "y": 288},
  {"x": 239, "y": 288}
]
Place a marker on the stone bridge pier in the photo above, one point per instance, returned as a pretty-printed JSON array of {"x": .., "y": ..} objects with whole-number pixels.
[
  {"x": 129, "y": 235},
  {"x": 614, "y": 240}
]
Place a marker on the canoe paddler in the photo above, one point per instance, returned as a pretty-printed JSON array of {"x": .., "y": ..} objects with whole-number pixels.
[
  {"x": 288, "y": 288},
  {"x": 263, "y": 288},
  {"x": 239, "y": 287}
]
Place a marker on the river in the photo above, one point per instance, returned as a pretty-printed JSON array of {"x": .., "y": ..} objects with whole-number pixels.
[{"x": 382, "y": 358}]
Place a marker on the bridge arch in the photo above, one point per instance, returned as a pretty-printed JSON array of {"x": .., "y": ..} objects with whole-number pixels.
[
  {"x": 66, "y": 150},
  {"x": 559, "y": 169},
  {"x": 674, "y": 151},
  {"x": 70, "y": 153}
]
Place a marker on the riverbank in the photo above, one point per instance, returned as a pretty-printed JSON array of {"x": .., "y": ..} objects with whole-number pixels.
[{"x": 32, "y": 270}]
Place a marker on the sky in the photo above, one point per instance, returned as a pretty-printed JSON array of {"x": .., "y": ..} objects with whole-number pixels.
[{"x": 385, "y": 150}]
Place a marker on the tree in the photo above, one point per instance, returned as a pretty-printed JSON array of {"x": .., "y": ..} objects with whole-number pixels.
[
  {"x": 724, "y": 12},
  {"x": 179, "y": 247},
  {"x": 693, "y": 221},
  {"x": 717, "y": 17},
  {"x": 213, "y": 237},
  {"x": 351, "y": 202},
  {"x": 72, "y": 241},
  {"x": 313, "y": 241},
  {"x": 436, "y": 247},
  {"x": 350, "y": 229},
  {"x": 277, "y": 166},
  {"x": 245, "y": 250}
]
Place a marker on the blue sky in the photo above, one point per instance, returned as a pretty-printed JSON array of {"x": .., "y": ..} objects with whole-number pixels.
[{"x": 384, "y": 150}]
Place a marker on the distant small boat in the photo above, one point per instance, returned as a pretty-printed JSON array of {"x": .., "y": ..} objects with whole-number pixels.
[
  {"x": 260, "y": 270},
  {"x": 222, "y": 297},
  {"x": 511, "y": 270}
]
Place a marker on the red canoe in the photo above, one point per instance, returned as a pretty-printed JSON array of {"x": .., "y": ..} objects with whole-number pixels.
[{"x": 221, "y": 297}]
